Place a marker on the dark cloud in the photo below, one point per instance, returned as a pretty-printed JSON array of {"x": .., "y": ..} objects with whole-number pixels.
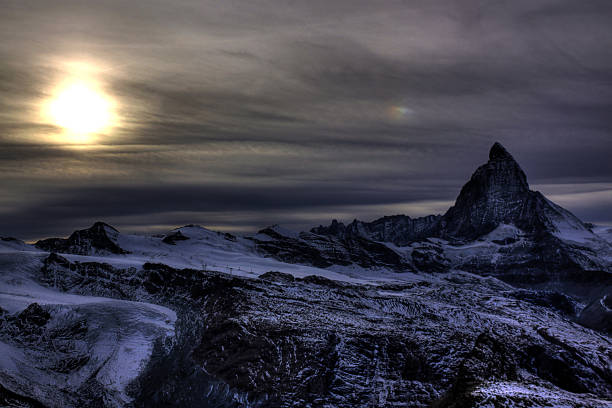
[
  {"x": 112, "y": 202},
  {"x": 239, "y": 114}
]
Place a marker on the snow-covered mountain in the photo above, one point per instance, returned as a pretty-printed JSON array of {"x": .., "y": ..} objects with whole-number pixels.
[{"x": 504, "y": 300}]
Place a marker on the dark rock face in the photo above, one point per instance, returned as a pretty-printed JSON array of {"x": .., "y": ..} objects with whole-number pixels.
[
  {"x": 598, "y": 314},
  {"x": 496, "y": 193},
  {"x": 34, "y": 315},
  {"x": 399, "y": 229},
  {"x": 292, "y": 250},
  {"x": 100, "y": 237},
  {"x": 324, "y": 251},
  {"x": 561, "y": 303},
  {"x": 11, "y": 399},
  {"x": 172, "y": 238},
  {"x": 61, "y": 342},
  {"x": 274, "y": 276},
  {"x": 428, "y": 257}
]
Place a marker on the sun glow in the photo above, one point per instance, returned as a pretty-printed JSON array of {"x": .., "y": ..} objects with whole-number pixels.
[{"x": 81, "y": 110}]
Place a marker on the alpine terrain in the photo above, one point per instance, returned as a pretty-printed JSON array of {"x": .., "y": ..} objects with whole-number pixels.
[{"x": 503, "y": 301}]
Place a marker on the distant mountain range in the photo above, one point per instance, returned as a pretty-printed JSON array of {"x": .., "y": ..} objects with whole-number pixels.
[{"x": 504, "y": 299}]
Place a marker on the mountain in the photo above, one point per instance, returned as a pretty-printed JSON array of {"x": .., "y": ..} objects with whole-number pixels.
[
  {"x": 498, "y": 226},
  {"x": 399, "y": 229},
  {"x": 498, "y": 193},
  {"x": 99, "y": 238},
  {"x": 504, "y": 300}
]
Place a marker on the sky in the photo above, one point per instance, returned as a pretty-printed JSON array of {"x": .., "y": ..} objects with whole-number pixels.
[{"x": 238, "y": 115}]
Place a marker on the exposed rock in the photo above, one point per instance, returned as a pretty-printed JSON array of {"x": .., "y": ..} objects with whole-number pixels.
[
  {"x": 99, "y": 238},
  {"x": 324, "y": 251},
  {"x": 559, "y": 302},
  {"x": 173, "y": 237},
  {"x": 13, "y": 399},
  {"x": 598, "y": 315},
  {"x": 321, "y": 280},
  {"x": 428, "y": 257},
  {"x": 34, "y": 314},
  {"x": 275, "y": 276},
  {"x": 399, "y": 229},
  {"x": 498, "y": 193}
]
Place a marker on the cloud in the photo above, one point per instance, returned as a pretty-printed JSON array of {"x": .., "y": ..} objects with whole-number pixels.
[{"x": 237, "y": 113}]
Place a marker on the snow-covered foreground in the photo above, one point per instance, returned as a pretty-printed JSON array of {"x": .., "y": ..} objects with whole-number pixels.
[
  {"x": 346, "y": 336},
  {"x": 85, "y": 324},
  {"x": 110, "y": 341},
  {"x": 120, "y": 335}
]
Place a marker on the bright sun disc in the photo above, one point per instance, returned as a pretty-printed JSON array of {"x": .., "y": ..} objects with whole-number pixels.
[{"x": 80, "y": 110}]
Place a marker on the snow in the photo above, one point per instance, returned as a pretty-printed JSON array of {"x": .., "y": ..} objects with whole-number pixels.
[
  {"x": 604, "y": 232},
  {"x": 603, "y": 301},
  {"x": 568, "y": 227},
  {"x": 121, "y": 334},
  {"x": 12, "y": 246},
  {"x": 503, "y": 231},
  {"x": 514, "y": 394},
  {"x": 213, "y": 251},
  {"x": 567, "y": 233}
]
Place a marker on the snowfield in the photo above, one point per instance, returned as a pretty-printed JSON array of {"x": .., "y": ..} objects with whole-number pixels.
[{"x": 118, "y": 344}]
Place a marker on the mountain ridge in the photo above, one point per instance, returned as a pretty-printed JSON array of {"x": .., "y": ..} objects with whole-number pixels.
[{"x": 547, "y": 241}]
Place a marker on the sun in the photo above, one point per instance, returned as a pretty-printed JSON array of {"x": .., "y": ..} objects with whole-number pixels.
[{"x": 80, "y": 109}]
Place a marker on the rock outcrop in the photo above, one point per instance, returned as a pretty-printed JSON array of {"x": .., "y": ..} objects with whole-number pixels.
[{"x": 99, "y": 238}]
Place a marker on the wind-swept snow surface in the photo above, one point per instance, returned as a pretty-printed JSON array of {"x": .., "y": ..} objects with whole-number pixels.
[{"x": 79, "y": 345}]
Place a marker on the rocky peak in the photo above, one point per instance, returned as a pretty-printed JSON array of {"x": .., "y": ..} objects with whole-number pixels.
[
  {"x": 399, "y": 229},
  {"x": 102, "y": 227},
  {"x": 336, "y": 229},
  {"x": 501, "y": 171},
  {"x": 499, "y": 152},
  {"x": 99, "y": 237},
  {"x": 496, "y": 193}
]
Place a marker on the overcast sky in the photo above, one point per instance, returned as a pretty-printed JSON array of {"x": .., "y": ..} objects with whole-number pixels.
[{"x": 237, "y": 115}]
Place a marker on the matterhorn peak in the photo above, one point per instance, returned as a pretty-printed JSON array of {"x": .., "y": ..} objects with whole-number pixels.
[
  {"x": 496, "y": 193},
  {"x": 499, "y": 152}
]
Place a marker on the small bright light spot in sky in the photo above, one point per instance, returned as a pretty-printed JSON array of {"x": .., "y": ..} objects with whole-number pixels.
[
  {"x": 81, "y": 110},
  {"x": 399, "y": 112}
]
